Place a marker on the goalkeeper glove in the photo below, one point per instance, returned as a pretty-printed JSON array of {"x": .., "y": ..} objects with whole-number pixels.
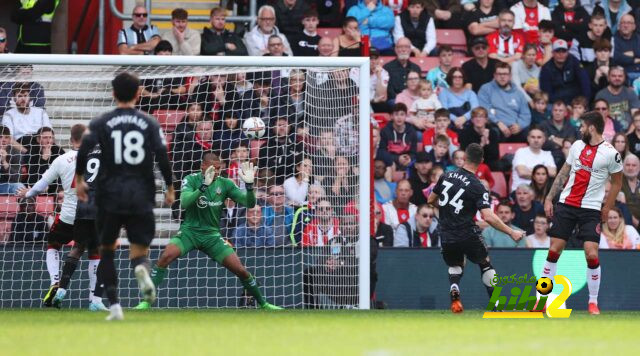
[
  {"x": 247, "y": 174},
  {"x": 209, "y": 176}
]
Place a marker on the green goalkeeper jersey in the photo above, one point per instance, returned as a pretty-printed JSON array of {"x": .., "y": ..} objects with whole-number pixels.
[{"x": 203, "y": 209}]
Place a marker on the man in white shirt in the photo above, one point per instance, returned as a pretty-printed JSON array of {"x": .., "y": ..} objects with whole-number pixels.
[
  {"x": 258, "y": 38},
  {"x": 185, "y": 41},
  {"x": 24, "y": 120},
  {"x": 528, "y": 157}
]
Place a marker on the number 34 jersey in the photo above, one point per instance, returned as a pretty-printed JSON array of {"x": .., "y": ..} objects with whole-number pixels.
[{"x": 460, "y": 196}]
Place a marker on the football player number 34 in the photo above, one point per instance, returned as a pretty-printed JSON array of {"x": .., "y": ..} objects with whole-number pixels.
[
  {"x": 455, "y": 201},
  {"x": 133, "y": 152}
]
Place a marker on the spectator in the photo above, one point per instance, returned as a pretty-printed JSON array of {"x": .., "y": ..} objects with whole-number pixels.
[
  {"x": 598, "y": 70},
  {"x": 623, "y": 101},
  {"x": 36, "y": 91},
  {"x": 258, "y": 101},
  {"x": 626, "y": 47},
  {"x": 484, "y": 134},
  {"x": 447, "y": 13},
  {"x": 218, "y": 41},
  {"x": 410, "y": 94},
  {"x": 545, "y": 42},
  {"x": 634, "y": 136},
  {"x": 557, "y": 130},
  {"x": 400, "y": 210},
  {"x": 457, "y": 160},
  {"x": 34, "y": 20},
  {"x": 496, "y": 238},
  {"x": 419, "y": 232},
  {"x": 507, "y": 106},
  {"x": 163, "y": 92},
  {"x": 28, "y": 225},
  {"x": 345, "y": 135},
  {"x": 526, "y": 209},
  {"x": 613, "y": 11},
  {"x": 457, "y": 98},
  {"x": 336, "y": 98},
  {"x": 4, "y": 41},
  {"x": 616, "y": 234},
  {"x": 527, "y": 16},
  {"x": 621, "y": 144},
  {"x": 384, "y": 190},
  {"x": 297, "y": 186},
  {"x": 323, "y": 228},
  {"x": 562, "y": 77},
  {"x": 540, "y": 182},
  {"x": 379, "y": 152},
  {"x": 383, "y": 232},
  {"x": 539, "y": 238},
  {"x": 620, "y": 203},
  {"x": 233, "y": 214},
  {"x": 439, "y": 155},
  {"x": 415, "y": 24},
  {"x": 399, "y": 69},
  {"x": 328, "y": 12},
  {"x": 379, "y": 82},
  {"x": 582, "y": 44},
  {"x": 348, "y": 43},
  {"x": 253, "y": 233},
  {"x": 185, "y": 149},
  {"x": 289, "y": 15},
  {"x": 41, "y": 155},
  {"x": 325, "y": 47},
  {"x": 291, "y": 104},
  {"x": 184, "y": 40},
  {"x": 342, "y": 184},
  {"x": 139, "y": 38},
  {"x": 24, "y": 121},
  {"x": 480, "y": 22},
  {"x": 257, "y": 39},
  {"x": 610, "y": 126},
  {"x": 579, "y": 106},
  {"x": 9, "y": 164},
  {"x": 419, "y": 178},
  {"x": 230, "y": 136},
  {"x": 631, "y": 186},
  {"x": 375, "y": 20},
  {"x": 504, "y": 44},
  {"x": 398, "y": 139},
  {"x": 441, "y": 127},
  {"x": 438, "y": 74},
  {"x": 281, "y": 151},
  {"x": 528, "y": 157},
  {"x": 239, "y": 154},
  {"x": 480, "y": 68},
  {"x": 305, "y": 42},
  {"x": 423, "y": 108},
  {"x": 275, "y": 47},
  {"x": 525, "y": 72},
  {"x": 278, "y": 215},
  {"x": 571, "y": 20}
]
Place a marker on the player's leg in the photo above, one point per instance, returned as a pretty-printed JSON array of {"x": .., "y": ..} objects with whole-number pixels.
[
  {"x": 141, "y": 230},
  {"x": 170, "y": 253},
  {"x": 476, "y": 252},
  {"x": 87, "y": 229},
  {"x": 59, "y": 235},
  {"x": 235, "y": 266},
  {"x": 589, "y": 232},
  {"x": 69, "y": 267},
  {"x": 454, "y": 258},
  {"x": 108, "y": 226}
]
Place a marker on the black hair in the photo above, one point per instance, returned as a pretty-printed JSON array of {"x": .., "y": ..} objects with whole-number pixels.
[
  {"x": 594, "y": 118},
  {"x": 474, "y": 153},
  {"x": 125, "y": 86},
  {"x": 163, "y": 46}
]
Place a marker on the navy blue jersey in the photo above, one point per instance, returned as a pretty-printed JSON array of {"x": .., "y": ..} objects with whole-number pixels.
[{"x": 87, "y": 210}]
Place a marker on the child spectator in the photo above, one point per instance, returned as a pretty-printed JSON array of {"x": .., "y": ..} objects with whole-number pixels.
[
  {"x": 240, "y": 154},
  {"x": 582, "y": 45},
  {"x": 399, "y": 139},
  {"x": 570, "y": 20},
  {"x": 579, "y": 106},
  {"x": 441, "y": 127},
  {"x": 457, "y": 161},
  {"x": 539, "y": 238},
  {"x": 540, "y": 111},
  {"x": 438, "y": 75},
  {"x": 545, "y": 42},
  {"x": 427, "y": 104},
  {"x": 305, "y": 42},
  {"x": 439, "y": 155}
]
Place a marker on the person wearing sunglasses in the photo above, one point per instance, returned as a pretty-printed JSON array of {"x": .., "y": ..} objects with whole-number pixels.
[
  {"x": 34, "y": 19},
  {"x": 140, "y": 38}
]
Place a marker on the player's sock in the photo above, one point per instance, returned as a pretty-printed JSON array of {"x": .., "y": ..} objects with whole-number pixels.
[
  {"x": 92, "y": 270},
  {"x": 68, "y": 268},
  {"x": 251, "y": 285},
  {"x": 157, "y": 275},
  {"x": 53, "y": 264},
  {"x": 550, "y": 265},
  {"x": 455, "y": 275},
  {"x": 108, "y": 276},
  {"x": 143, "y": 260},
  {"x": 487, "y": 273},
  {"x": 593, "y": 279}
]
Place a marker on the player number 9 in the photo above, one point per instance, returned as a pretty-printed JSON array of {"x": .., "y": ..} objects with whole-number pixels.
[{"x": 92, "y": 167}]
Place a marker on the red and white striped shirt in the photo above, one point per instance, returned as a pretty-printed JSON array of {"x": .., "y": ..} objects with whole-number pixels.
[
  {"x": 590, "y": 168},
  {"x": 505, "y": 47}
]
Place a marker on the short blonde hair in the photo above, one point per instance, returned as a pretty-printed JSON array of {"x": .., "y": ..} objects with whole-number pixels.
[{"x": 541, "y": 96}]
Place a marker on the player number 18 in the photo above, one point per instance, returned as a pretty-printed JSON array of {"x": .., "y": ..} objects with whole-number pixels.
[{"x": 133, "y": 151}]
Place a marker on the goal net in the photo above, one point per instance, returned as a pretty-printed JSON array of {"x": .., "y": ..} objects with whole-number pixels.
[{"x": 306, "y": 240}]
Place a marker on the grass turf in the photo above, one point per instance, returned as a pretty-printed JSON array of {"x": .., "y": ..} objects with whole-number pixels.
[{"x": 255, "y": 332}]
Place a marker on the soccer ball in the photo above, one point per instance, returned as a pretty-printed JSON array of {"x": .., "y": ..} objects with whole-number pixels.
[
  {"x": 544, "y": 285},
  {"x": 253, "y": 127}
]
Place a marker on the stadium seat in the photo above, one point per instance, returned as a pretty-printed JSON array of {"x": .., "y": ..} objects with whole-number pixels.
[
  {"x": 331, "y": 32},
  {"x": 254, "y": 148},
  {"x": 45, "y": 205},
  {"x": 425, "y": 63},
  {"x": 398, "y": 176},
  {"x": 382, "y": 119},
  {"x": 500, "y": 185},
  {"x": 505, "y": 148},
  {"x": 169, "y": 119},
  {"x": 8, "y": 206},
  {"x": 454, "y": 38}
]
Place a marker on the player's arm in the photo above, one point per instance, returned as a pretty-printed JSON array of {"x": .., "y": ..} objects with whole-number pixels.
[
  {"x": 432, "y": 199},
  {"x": 492, "y": 219},
  {"x": 558, "y": 184},
  {"x": 616, "y": 185},
  {"x": 248, "y": 198},
  {"x": 48, "y": 177},
  {"x": 189, "y": 193}
]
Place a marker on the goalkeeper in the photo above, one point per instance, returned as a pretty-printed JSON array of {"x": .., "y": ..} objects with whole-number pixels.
[{"x": 203, "y": 197}]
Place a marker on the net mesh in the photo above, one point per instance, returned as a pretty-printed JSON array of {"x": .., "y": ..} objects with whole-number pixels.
[{"x": 300, "y": 243}]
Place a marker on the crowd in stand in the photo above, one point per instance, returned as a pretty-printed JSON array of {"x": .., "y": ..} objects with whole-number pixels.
[{"x": 533, "y": 69}]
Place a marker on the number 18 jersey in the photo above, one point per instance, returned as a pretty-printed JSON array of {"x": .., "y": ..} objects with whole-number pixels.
[{"x": 460, "y": 196}]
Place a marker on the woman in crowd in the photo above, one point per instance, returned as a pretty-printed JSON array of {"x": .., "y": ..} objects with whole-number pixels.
[
  {"x": 296, "y": 187},
  {"x": 412, "y": 92},
  {"x": 540, "y": 182},
  {"x": 348, "y": 43},
  {"x": 458, "y": 99},
  {"x": 610, "y": 126},
  {"x": 292, "y": 105},
  {"x": 525, "y": 72},
  {"x": 616, "y": 234},
  {"x": 620, "y": 142}
]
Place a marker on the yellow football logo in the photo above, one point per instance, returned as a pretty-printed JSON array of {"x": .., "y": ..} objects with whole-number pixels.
[{"x": 544, "y": 285}]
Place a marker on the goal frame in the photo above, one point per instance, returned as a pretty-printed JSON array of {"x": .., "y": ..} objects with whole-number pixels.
[{"x": 364, "y": 153}]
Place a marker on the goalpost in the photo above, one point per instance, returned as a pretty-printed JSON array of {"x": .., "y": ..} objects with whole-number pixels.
[{"x": 316, "y": 150}]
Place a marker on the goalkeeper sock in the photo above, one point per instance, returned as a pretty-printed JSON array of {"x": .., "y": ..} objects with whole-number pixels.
[
  {"x": 108, "y": 276},
  {"x": 92, "y": 271},
  {"x": 157, "y": 275},
  {"x": 68, "y": 268},
  {"x": 251, "y": 285},
  {"x": 53, "y": 264}
]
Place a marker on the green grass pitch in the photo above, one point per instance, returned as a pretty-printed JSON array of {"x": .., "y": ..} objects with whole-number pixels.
[{"x": 255, "y": 332}]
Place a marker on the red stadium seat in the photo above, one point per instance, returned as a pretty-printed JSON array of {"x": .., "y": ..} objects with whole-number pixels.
[
  {"x": 169, "y": 119},
  {"x": 459, "y": 61},
  {"x": 425, "y": 63},
  {"x": 500, "y": 185},
  {"x": 8, "y": 206},
  {"x": 382, "y": 119},
  {"x": 505, "y": 148},
  {"x": 254, "y": 148},
  {"x": 331, "y": 32},
  {"x": 45, "y": 205},
  {"x": 454, "y": 38}
]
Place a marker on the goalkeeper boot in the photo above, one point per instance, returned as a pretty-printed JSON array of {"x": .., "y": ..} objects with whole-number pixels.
[
  {"x": 59, "y": 297},
  {"x": 269, "y": 306},
  {"x": 97, "y": 305},
  {"x": 47, "y": 301},
  {"x": 147, "y": 289},
  {"x": 115, "y": 313},
  {"x": 456, "y": 304},
  {"x": 143, "y": 305}
]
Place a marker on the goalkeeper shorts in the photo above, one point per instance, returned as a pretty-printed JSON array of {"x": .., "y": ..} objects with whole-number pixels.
[{"x": 212, "y": 245}]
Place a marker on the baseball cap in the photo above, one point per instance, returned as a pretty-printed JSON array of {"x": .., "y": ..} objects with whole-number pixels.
[
  {"x": 560, "y": 44},
  {"x": 374, "y": 53},
  {"x": 422, "y": 157},
  {"x": 479, "y": 41}
]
